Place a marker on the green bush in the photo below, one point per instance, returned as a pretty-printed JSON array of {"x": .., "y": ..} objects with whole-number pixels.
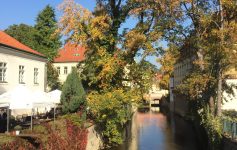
[
  {"x": 18, "y": 127},
  {"x": 40, "y": 129},
  {"x": 111, "y": 110},
  {"x": 73, "y": 96},
  {"x": 76, "y": 118},
  {"x": 213, "y": 128}
]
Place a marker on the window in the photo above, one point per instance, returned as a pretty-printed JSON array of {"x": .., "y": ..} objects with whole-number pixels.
[
  {"x": 21, "y": 74},
  {"x": 3, "y": 68},
  {"x": 36, "y": 72},
  {"x": 77, "y": 54},
  {"x": 58, "y": 69},
  {"x": 65, "y": 70}
]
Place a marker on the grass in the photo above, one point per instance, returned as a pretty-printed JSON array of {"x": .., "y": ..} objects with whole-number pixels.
[{"x": 6, "y": 139}]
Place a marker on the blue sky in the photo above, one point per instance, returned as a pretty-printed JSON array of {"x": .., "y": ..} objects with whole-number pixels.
[{"x": 25, "y": 11}]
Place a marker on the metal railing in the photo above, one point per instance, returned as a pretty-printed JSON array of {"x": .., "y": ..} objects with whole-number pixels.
[{"x": 230, "y": 128}]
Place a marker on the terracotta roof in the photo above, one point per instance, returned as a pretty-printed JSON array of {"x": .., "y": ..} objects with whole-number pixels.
[
  {"x": 10, "y": 41},
  {"x": 70, "y": 53}
]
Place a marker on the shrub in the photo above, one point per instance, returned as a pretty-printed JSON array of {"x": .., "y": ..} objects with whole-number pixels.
[
  {"x": 213, "y": 129},
  {"x": 40, "y": 129},
  {"x": 73, "y": 94},
  {"x": 18, "y": 127},
  {"x": 77, "y": 119},
  {"x": 112, "y": 110},
  {"x": 18, "y": 144},
  {"x": 76, "y": 137}
]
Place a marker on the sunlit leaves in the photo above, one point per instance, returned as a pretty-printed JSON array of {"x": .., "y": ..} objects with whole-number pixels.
[
  {"x": 74, "y": 21},
  {"x": 167, "y": 62},
  {"x": 112, "y": 110}
]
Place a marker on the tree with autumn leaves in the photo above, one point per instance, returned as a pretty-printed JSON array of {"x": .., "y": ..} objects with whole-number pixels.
[
  {"x": 110, "y": 54},
  {"x": 208, "y": 27}
]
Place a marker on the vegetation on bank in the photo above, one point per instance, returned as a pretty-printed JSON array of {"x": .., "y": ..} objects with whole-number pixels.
[
  {"x": 111, "y": 111},
  {"x": 111, "y": 77},
  {"x": 113, "y": 80},
  {"x": 68, "y": 132},
  {"x": 209, "y": 42}
]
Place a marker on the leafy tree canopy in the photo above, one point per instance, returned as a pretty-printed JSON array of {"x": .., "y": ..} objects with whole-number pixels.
[
  {"x": 48, "y": 41},
  {"x": 23, "y": 33},
  {"x": 110, "y": 53}
]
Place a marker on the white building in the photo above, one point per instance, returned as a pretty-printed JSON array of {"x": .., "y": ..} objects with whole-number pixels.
[
  {"x": 20, "y": 64},
  {"x": 68, "y": 57},
  {"x": 182, "y": 69}
]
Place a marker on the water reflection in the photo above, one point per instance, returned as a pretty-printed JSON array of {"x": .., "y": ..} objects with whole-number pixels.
[{"x": 151, "y": 130}]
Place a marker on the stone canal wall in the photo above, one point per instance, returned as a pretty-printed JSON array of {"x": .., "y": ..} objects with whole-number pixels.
[{"x": 94, "y": 140}]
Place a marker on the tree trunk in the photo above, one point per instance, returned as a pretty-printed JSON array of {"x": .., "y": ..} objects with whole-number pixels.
[
  {"x": 219, "y": 89},
  {"x": 219, "y": 94},
  {"x": 211, "y": 105}
]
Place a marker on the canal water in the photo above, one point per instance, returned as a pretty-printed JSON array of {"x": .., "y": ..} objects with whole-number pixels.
[{"x": 154, "y": 130}]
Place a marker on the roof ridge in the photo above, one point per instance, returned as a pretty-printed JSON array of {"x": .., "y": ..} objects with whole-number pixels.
[
  {"x": 12, "y": 42},
  {"x": 71, "y": 52}
]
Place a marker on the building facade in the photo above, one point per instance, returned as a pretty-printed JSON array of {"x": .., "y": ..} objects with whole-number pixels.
[
  {"x": 181, "y": 69},
  {"x": 20, "y": 64},
  {"x": 68, "y": 57},
  {"x": 179, "y": 103}
]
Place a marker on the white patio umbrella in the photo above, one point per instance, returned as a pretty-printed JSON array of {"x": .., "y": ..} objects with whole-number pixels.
[
  {"x": 16, "y": 99},
  {"x": 41, "y": 99},
  {"x": 55, "y": 96},
  {"x": 4, "y": 100},
  {"x": 20, "y": 98}
]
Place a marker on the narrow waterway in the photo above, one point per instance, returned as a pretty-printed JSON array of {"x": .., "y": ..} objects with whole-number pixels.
[{"x": 153, "y": 130}]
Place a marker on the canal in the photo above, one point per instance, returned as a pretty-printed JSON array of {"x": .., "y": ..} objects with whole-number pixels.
[{"x": 154, "y": 130}]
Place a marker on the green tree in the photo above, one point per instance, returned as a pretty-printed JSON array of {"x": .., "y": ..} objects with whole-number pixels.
[
  {"x": 42, "y": 38},
  {"x": 212, "y": 39},
  {"x": 52, "y": 77},
  {"x": 141, "y": 76},
  {"x": 211, "y": 43},
  {"x": 48, "y": 42},
  {"x": 23, "y": 33},
  {"x": 105, "y": 64},
  {"x": 73, "y": 96}
]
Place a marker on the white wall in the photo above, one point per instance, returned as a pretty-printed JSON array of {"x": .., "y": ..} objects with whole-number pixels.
[
  {"x": 229, "y": 100},
  {"x": 14, "y": 58},
  {"x": 62, "y": 77},
  {"x": 181, "y": 69}
]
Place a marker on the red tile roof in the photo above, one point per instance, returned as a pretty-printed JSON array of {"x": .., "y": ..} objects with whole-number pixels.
[
  {"x": 10, "y": 41},
  {"x": 71, "y": 53}
]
